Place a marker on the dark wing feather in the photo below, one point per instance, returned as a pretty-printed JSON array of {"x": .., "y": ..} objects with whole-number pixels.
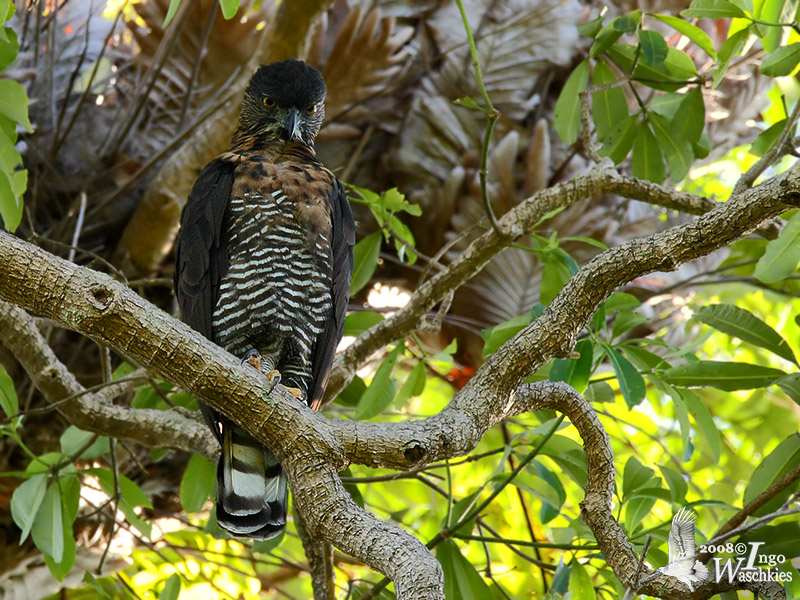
[
  {"x": 202, "y": 254},
  {"x": 343, "y": 237}
]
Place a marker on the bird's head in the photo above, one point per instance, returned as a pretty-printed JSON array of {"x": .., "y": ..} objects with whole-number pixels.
[{"x": 284, "y": 100}]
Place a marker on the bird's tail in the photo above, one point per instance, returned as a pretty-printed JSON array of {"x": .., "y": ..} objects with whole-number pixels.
[{"x": 251, "y": 487}]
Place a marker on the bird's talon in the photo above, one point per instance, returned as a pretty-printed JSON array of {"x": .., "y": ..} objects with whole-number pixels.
[
  {"x": 253, "y": 358},
  {"x": 296, "y": 392}
]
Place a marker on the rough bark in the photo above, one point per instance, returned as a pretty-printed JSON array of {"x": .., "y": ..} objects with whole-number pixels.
[{"x": 312, "y": 448}]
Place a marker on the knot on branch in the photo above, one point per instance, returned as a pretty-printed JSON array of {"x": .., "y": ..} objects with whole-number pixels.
[
  {"x": 415, "y": 453},
  {"x": 100, "y": 296}
]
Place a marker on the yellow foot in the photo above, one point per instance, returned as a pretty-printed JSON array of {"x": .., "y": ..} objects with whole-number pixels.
[
  {"x": 293, "y": 391},
  {"x": 274, "y": 377}
]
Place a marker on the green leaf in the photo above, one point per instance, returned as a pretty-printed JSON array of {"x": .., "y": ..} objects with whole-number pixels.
[
  {"x": 229, "y": 8},
  {"x": 9, "y": 47},
  {"x": 567, "y": 113},
  {"x": 767, "y": 138},
  {"x": 9, "y": 401},
  {"x": 694, "y": 33},
  {"x": 677, "y": 150},
  {"x": 15, "y": 103},
  {"x": 365, "y": 260},
  {"x": 538, "y": 487},
  {"x": 173, "y": 8},
  {"x": 130, "y": 492},
  {"x": 670, "y": 75},
  {"x": 727, "y": 376},
  {"x": 599, "y": 391},
  {"x": 635, "y": 476},
  {"x": 461, "y": 580},
  {"x": 619, "y": 140},
  {"x": 467, "y": 102},
  {"x": 628, "y": 23},
  {"x": 654, "y": 48},
  {"x": 782, "y": 254},
  {"x": 352, "y": 393},
  {"x": 648, "y": 163},
  {"x": 496, "y": 336},
  {"x": 712, "y": 9},
  {"x": 10, "y": 202},
  {"x": 775, "y": 465},
  {"x": 606, "y": 38},
  {"x": 630, "y": 381},
  {"x": 352, "y": 488},
  {"x": 609, "y": 107},
  {"x": 414, "y": 385},
  {"x": 381, "y": 390},
  {"x": 705, "y": 423},
  {"x": 262, "y": 545},
  {"x": 575, "y": 371},
  {"x": 677, "y": 485},
  {"x": 581, "y": 586},
  {"x": 25, "y": 502},
  {"x": 74, "y": 439},
  {"x": 625, "y": 321},
  {"x": 744, "y": 325},
  {"x": 772, "y": 11},
  {"x": 358, "y": 322},
  {"x": 48, "y": 526},
  {"x": 555, "y": 275},
  {"x": 92, "y": 582},
  {"x": 690, "y": 118},
  {"x": 591, "y": 28},
  {"x": 783, "y": 61},
  {"x": 197, "y": 483},
  {"x": 173, "y": 585},
  {"x": 790, "y": 386},
  {"x": 728, "y": 50}
]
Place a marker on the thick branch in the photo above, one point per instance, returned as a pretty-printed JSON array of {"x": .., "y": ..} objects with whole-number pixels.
[
  {"x": 601, "y": 179},
  {"x": 93, "y": 411}
]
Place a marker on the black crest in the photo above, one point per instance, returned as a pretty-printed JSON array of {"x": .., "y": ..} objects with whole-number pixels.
[{"x": 290, "y": 82}]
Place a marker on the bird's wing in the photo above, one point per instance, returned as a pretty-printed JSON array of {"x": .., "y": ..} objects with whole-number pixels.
[
  {"x": 343, "y": 237},
  {"x": 681, "y": 536},
  {"x": 201, "y": 256}
]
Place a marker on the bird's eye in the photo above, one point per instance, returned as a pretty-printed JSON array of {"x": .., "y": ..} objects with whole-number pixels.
[
  {"x": 311, "y": 109},
  {"x": 269, "y": 101}
]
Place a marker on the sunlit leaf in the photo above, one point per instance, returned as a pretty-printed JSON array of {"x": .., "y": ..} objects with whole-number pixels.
[
  {"x": 767, "y": 138},
  {"x": 694, "y": 33},
  {"x": 591, "y": 28},
  {"x": 783, "y": 61},
  {"x": 609, "y": 107},
  {"x": 358, "y": 322},
  {"x": 414, "y": 385},
  {"x": 775, "y": 465},
  {"x": 496, "y": 336},
  {"x": 8, "y": 395},
  {"x": 567, "y": 112},
  {"x": 647, "y": 162},
  {"x": 722, "y": 375},
  {"x": 575, "y": 371},
  {"x": 365, "y": 260},
  {"x": 605, "y": 38},
  {"x": 782, "y": 255},
  {"x": 381, "y": 390},
  {"x": 197, "y": 483},
  {"x": 229, "y": 8},
  {"x": 654, "y": 48},
  {"x": 619, "y": 140},
  {"x": 635, "y": 476},
  {"x": 677, "y": 485},
  {"x": 712, "y": 9},
  {"x": 790, "y": 384},
  {"x": 48, "y": 526},
  {"x": 25, "y": 502},
  {"x": 15, "y": 103},
  {"x": 743, "y": 324},
  {"x": 173, "y": 586},
  {"x": 630, "y": 381},
  {"x": 461, "y": 580},
  {"x": 728, "y": 50},
  {"x": 705, "y": 423},
  {"x": 580, "y": 582}
]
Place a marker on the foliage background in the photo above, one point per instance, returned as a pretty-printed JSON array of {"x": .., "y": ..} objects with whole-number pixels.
[{"x": 118, "y": 99}]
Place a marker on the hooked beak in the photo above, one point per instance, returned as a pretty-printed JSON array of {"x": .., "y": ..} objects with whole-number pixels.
[{"x": 291, "y": 126}]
